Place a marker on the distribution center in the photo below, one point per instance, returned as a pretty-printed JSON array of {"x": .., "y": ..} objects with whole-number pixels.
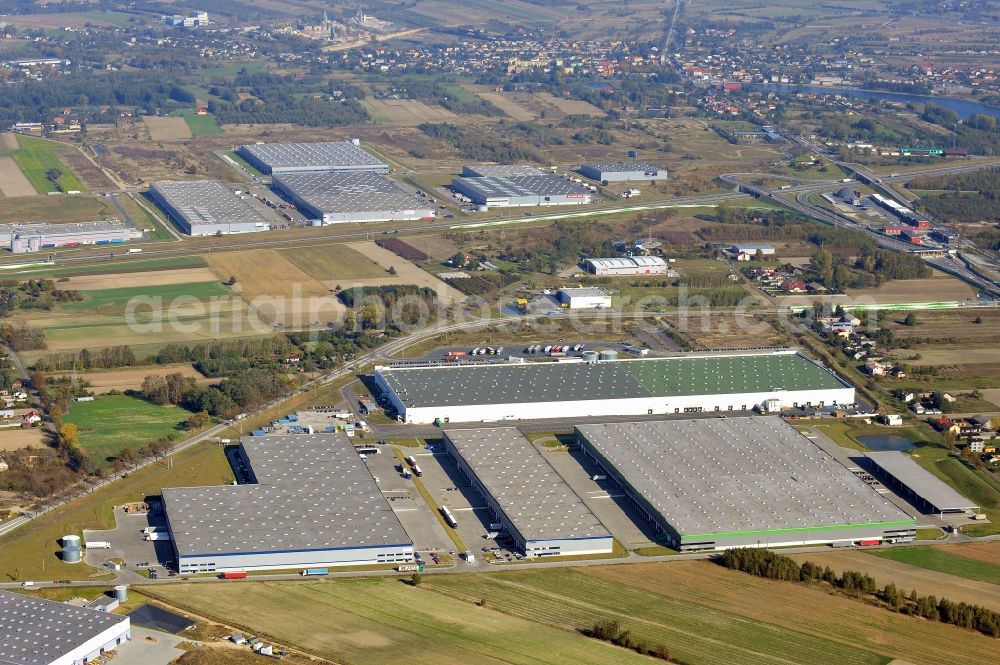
[
  {"x": 336, "y": 198},
  {"x": 36, "y": 631},
  {"x": 622, "y": 171},
  {"x": 730, "y": 381},
  {"x": 741, "y": 482},
  {"x": 312, "y": 502},
  {"x": 276, "y": 158},
  {"x": 628, "y": 266},
  {"x": 32, "y": 237},
  {"x": 206, "y": 208},
  {"x": 918, "y": 485},
  {"x": 533, "y": 503},
  {"x": 512, "y": 186}
]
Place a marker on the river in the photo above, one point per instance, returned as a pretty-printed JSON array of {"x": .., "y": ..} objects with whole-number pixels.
[{"x": 961, "y": 107}]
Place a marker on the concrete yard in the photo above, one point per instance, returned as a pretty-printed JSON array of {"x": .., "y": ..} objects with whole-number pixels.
[{"x": 150, "y": 647}]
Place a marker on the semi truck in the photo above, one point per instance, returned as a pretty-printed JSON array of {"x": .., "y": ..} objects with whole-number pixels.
[
  {"x": 234, "y": 575},
  {"x": 153, "y": 529},
  {"x": 449, "y": 518},
  {"x": 410, "y": 460},
  {"x": 157, "y": 535},
  {"x": 416, "y": 471},
  {"x": 315, "y": 571}
]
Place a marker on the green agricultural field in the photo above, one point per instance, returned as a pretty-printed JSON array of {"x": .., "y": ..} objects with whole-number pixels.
[
  {"x": 30, "y": 553},
  {"x": 106, "y": 267},
  {"x": 108, "y": 301},
  {"x": 56, "y": 209},
  {"x": 35, "y": 157},
  {"x": 373, "y": 621},
  {"x": 201, "y": 125},
  {"x": 943, "y": 561},
  {"x": 113, "y": 422}
]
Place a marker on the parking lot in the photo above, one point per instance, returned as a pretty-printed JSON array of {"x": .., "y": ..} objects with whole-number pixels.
[{"x": 127, "y": 544}]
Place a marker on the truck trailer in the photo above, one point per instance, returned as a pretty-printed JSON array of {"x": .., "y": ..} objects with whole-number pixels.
[{"x": 315, "y": 571}]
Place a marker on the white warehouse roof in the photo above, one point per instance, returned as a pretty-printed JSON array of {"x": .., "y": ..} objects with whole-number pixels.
[{"x": 627, "y": 262}]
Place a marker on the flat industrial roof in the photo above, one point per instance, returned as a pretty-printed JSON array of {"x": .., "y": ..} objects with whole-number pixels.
[
  {"x": 584, "y": 292},
  {"x": 35, "y": 631},
  {"x": 545, "y": 184},
  {"x": 694, "y": 374},
  {"x": 74, "y": 228},
  {"x": 627, "y": 262},
  {"x": 535, "y": 499},
  {"x": 347, "y": 192},
  {"x": 627, "y": 167},
  {"x": 501, "y": 170},
  {"x": 329, "y": 154},
  {"x": 922, "y": 482},
  {"x": 206, "y": 202},
  {"x": 314, "y": 493},
  {"x": 737, "y": 476}
]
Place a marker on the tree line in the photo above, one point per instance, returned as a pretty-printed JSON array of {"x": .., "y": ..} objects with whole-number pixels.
[{"x": 767, "y": 564}]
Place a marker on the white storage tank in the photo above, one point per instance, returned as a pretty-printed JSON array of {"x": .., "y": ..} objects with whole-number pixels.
[
  {"x": 609, "y": 354},
  {"x": 121, "y": 593},
  {"x": 71, "y": 549},
  {"x": 591, "y": 356}
]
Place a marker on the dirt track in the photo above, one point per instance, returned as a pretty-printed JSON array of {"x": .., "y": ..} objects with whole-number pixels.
[{"x": 12, "y": 180}]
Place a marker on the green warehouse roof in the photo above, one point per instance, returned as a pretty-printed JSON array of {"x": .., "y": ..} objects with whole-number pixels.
[{"x": 695, "y": 374}]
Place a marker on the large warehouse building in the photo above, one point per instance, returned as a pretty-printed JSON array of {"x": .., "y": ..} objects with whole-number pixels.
[
  {"x": 740, "y": 482},
  {"x": 337, "y": 198},
  {"x": 514, "y": 186},
  {"x": 684, "y": 384},
  {"x": 35, "y": 631},
  {"x": 622, "y": 171},
  {"x": 206, "y": 208},
  {"x": 34, "y": 237},
  {"x": 313, "y": 502},
  {"x": 627, "y": 266},
  {"x": 344, "y": 156},
  {"x": 533, "y": 503},
  {"x": 918, "y": 485}
]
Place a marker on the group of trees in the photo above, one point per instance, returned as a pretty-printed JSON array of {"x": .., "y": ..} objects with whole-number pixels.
[
  {"x": 965, "y": 198},
  {"x": 871, "y": 268},
  {"x": 472, "y": 145},
  {"x": 387, "y": 307},
  {"x": 32, "y": 294},
  {"x": 610, "y": 630},
  {"x": 765, "y": 563},
  {"x": 106, "y": 358}
]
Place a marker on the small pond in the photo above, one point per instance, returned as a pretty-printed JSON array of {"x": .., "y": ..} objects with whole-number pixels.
[{"x": 886, "y": 442}]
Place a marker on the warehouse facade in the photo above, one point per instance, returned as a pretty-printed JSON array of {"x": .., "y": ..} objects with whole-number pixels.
[
  {"x": 585, "y": 298},
  {"x": 918, "y": 485},
  {"x": 533, "y": 503},
  {"x": 340, "y": 198},
  {"x": 36, "y": 631},
  {"x": 207, "y": 208},
  {"x": 34, "y": 237},
  {"x": 622, "y": 171},
  {"x": 712, "y": 484},
  {"x": 343, "y": 156},
  {"x": 691, "y": 383},
  {"x": 506, "y": 186},
  {"x": 312, "y": 502},
  {"x": 627, "y": 266}
]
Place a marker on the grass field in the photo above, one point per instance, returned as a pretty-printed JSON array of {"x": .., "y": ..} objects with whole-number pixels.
[
  {"x": 36, "y": 156},
  {"x": 102, "y": 432},
  {"x": 703, "y": 613},
  {"x": 56, "y": 209},
  {"x": 332, "y": 262},
  {"x": 368, "y": 621},
  {"x": 143, "y": 219},
  {"x": 201, "y": 125},
  {"x": 106, "y": 267},
  {"x": 945, "y": 561},
  {"x": 145, "y": 317},
  {"x": 30, "y": 553},
  {"x": 166, "y": 128}
]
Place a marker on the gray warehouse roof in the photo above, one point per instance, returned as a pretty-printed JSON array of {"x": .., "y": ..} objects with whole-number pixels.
[
  {"x": 501, "y": 170},
  {"x": 335, "y": 192},
  {"x": 545, "y": 184},
  {"x": 314, "y": 493},
  {"x": 70, "y": 229},
  {"x": 318, "y": 156},
  {"x": 623, "y": 167},
  {"x": 694, "y": 374},
  {"x": 535, "y": 499},
  {"x": 206, "y": 202},
  {"x": 922, "y": 482},
  {"x": 736, "y": 475},
  {"x": 35, "y": 631}
]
